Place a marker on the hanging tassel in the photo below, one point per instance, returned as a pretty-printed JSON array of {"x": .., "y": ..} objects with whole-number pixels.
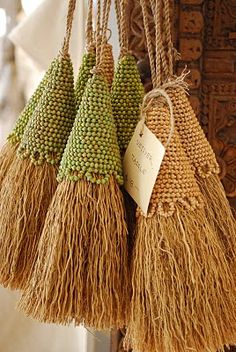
[
  {"x": 84, "y": 242},
  {"x": 8, "y": 152},
  {"x": 31, "y": 179},
  {"x": 206, "y": 171},
  {"x": 30, "y": 183},
  {"x": 182, "y": 286}
]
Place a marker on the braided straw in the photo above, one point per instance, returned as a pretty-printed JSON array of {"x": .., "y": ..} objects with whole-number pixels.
[
  {"x": 168, "y": 36},
  {"x": 70, "y": 16},
  {"x": 143, "y": 4},
  {"x": 90, "y": 45},
  {"x": 118, "y": 17},
  {"x": 102, "y": 39}
]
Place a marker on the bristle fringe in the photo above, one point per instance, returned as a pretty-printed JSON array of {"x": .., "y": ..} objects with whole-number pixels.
[
  {"x": 24, "y": 199},
  {"x": 183, "y": 293},
  {"x": 81, "y": 274}
]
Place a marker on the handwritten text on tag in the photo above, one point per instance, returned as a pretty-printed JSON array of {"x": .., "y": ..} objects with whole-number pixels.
[{"x": 142, "y": 162}]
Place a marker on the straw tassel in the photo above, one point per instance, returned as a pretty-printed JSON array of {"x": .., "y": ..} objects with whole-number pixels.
[
  {"x": 183, "y": 295},
  {"x": 31, "y": 179},
  {"x": 8, "y": 152},
  {"x": 81, "y": 273},
  {"x": 206, "y": 171}
]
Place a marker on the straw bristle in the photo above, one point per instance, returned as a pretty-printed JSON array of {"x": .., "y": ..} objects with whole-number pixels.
[
  {"x": 7, "y": 156},
  {"x": 183, "y": 294},
  {"x": 25, "y": 196},
  {"x": 220, "y": 214},
  {"x": 81, "y": 273}
]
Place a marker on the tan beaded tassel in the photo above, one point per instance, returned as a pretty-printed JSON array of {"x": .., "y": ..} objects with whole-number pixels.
[
  {"x": 81, "y": 274},
  {"x": 30, "y": 183},
  {"x": 202, "y": 158},
  {"x": 183, "y": 292}
]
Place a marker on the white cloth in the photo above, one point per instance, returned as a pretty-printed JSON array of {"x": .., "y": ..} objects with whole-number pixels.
[{"x": 41, "y": 34}]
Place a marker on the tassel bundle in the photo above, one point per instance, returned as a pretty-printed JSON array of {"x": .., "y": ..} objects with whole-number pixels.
[
  {"x": 182, "y": 285},
  {"x": 206, "y": 171},
  {"x": 81, "y": 273},
  {"x": 30, "y": 182},
  {"x": 8, "y": 152}
]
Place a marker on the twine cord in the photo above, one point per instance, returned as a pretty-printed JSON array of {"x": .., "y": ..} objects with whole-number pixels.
[
  {"x": 149, "y": 41},
  {"x": 69, "y": 21},
  {"x": 90, "y": 45},
  {"x": 168, "y": 35},
  {"x": 105, "y": 19},
  {"x": 118, "y": 17},
  {"x": 148, "y": 100}
]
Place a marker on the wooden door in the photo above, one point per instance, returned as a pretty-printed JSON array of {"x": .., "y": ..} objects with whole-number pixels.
[{"x": 205, "y": 35}]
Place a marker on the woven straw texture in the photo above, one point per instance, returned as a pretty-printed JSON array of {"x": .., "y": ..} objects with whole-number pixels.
[
  {"x": 192, "y": 136},
  {"x": 175, "y": 182}
]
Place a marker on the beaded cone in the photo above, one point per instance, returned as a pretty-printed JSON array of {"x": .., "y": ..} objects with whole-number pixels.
[
  {"x": 46, "y": 134},
  {"x": 8, "y": 152},
  {"x": 206, "y": 172},
  {"x": 30, "y": 183},
  {"x": 127, "y": 93},
  {"x": 179, "y": 271},
  {"x": 86, "y": 218},
  {"x": 88, "y": 62}
]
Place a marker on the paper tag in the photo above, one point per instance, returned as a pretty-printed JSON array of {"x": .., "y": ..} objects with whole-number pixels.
[{"x": 142, "y": 162}]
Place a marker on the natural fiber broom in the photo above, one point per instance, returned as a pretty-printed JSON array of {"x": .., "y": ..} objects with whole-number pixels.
[
  {"x": 179, "y": 270},
  {"x": 127, "y": 89},
  {"x": 81, "y": 273},
  {"x": 31, "y": 179},
  {"x": 8, "y": 152}
]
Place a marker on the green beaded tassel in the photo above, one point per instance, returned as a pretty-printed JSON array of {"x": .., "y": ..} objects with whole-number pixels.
[
  {"x": 30, "y": 183},
  {"x": 127, "y": 94},
  {"x": 88, "y": 63},
  {"x": 81, "y": 274},
  {"x": 8, "y": 152}
]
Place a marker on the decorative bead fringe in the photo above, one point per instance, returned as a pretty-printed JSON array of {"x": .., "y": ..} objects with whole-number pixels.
[
  {"x": 25, "y": 196},
  {"x": 81, "y": 274},
  {"x": 183, "y": 293}
]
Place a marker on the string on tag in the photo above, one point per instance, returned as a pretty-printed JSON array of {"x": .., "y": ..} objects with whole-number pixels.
[{"x": 147, "y": 101}]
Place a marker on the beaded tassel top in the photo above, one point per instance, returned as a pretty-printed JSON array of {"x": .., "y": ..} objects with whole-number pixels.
[
  {"x": 18, "y": 131},
  {"x": 175, "y": 184},
  {"x": 127, "y": 94},
  {"x": 46, "y": 134},
  {"x": 92, "y": 151}
]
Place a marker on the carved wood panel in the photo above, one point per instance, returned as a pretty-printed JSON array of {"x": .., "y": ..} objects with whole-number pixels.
[{"x": 205, "y": 34}]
